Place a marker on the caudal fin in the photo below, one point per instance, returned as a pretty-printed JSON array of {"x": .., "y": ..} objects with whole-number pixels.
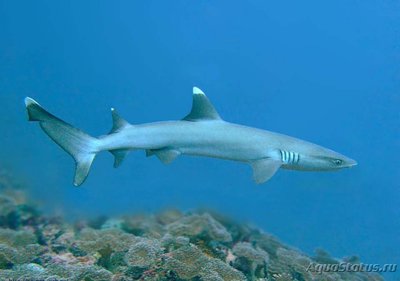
[{"x": 82, "y": 147}]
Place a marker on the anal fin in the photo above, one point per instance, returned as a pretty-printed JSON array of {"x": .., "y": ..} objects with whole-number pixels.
[
  {"x": 264, "y": 169},
  {"x": 119, "y": 156},
  {"x": 149, "y": 152}
]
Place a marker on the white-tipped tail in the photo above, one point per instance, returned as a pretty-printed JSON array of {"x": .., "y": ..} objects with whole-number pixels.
[{"x": 79, "y": 145}]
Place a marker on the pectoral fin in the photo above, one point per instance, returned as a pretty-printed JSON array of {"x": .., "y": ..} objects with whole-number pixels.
[
  {"x": 166, "y": 155},
  {"x": 264, "y": 169}
]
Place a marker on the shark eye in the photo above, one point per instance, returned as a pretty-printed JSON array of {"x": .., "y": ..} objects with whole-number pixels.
[{"x": 337, "y": 162}]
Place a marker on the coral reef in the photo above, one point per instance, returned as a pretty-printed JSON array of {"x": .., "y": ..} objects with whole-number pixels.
[{"x": 170, "y": 246}]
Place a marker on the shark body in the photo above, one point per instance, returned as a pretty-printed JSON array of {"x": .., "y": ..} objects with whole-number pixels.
[{"x": 201, "y": 133}]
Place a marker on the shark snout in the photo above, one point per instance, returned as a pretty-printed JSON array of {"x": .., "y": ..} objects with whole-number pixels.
[{"x": 350, "y": 163}]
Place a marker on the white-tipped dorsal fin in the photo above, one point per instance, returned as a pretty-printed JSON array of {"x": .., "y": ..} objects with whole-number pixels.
[
  {"x": 202, "y": 108},
  {"x": 118, "y": 121},
  {"x": 197, "y": 91}
]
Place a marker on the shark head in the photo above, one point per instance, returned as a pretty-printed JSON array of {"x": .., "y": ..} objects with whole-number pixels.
[{"x": 324, "y": 159}]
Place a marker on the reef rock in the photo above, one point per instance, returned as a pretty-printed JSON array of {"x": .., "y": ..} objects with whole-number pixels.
[
  {"x": 202, "y": 226},
  {"x": 170, "y": 246}
]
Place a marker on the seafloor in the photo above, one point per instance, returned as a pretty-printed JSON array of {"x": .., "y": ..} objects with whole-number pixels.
[{"x": 171, "y": 245}]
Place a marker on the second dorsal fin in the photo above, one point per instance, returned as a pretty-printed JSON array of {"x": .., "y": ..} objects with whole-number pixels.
[
  {"x": 118, "y": 121},
  {"x": 202, "y": 108}
]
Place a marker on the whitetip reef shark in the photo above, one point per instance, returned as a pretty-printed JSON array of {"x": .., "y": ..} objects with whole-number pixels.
[{"x": 201, "y": 133}]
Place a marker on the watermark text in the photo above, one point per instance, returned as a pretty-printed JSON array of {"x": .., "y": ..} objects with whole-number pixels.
[{"x": 351, "y": 267}]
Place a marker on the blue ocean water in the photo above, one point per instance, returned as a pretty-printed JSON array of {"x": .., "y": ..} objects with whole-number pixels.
[{"x": 327, "y": 72}]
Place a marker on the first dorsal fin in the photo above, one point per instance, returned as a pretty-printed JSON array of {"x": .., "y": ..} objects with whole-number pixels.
[
  {"x": 202, "y": 108},
  {"x": 118, "y": 121}
]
